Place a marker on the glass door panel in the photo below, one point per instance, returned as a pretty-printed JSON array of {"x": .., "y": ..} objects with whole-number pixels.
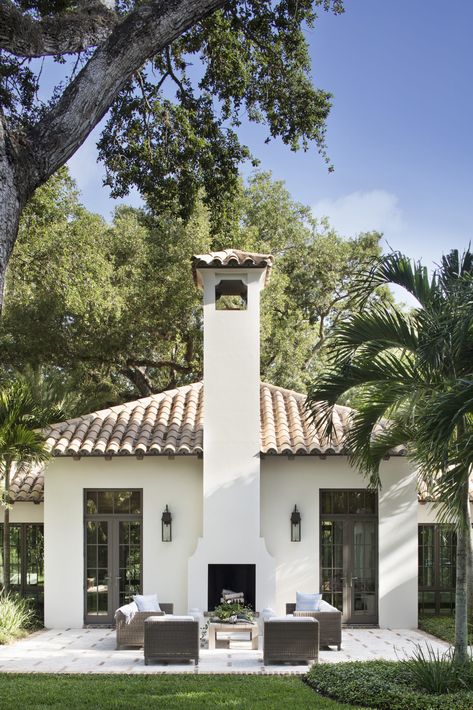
[
  {"x": 129, "y": 556},
  {"x": 363, "y": 573},
  {"x": 97, "y": 572},
  {"x": 332, "y": 577}
]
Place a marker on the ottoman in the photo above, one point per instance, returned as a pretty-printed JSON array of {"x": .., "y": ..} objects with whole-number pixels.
[{"x": 171, "y": 638}]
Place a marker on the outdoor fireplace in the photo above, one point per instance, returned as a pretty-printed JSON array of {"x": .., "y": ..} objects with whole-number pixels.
[{"x": 237, "y": 578}]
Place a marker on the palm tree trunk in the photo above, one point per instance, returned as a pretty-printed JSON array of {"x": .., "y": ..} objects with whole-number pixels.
[
  {"x": 462, "y": 563},
  {"x": 6, "y": 530}
]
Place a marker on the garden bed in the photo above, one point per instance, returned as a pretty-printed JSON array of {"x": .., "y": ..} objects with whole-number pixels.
[{"x": 385, "y": 685}]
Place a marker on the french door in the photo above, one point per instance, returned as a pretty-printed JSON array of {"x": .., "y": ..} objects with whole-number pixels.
[
  {"x": 349, "y": 554},
  {"x": 113, "y": 552}
]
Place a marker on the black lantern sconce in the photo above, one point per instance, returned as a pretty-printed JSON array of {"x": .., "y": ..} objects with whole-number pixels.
[
  {"x": 166, "y": 525},
  {"x": 295, "y": 525}
]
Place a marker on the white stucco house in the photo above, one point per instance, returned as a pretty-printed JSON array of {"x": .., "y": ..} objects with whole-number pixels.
[{"x": 229, "y": 459}]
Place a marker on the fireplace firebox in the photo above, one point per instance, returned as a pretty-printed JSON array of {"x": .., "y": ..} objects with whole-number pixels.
[{"x": 239, "y": 578}]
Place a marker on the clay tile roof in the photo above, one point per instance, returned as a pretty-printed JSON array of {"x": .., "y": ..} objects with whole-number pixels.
[
  {"x": 232, "y": 259},
  {"x": 171, "y": 423},
  {"x": 425, "y": 497},
  {"x": 28, "y": 486}
]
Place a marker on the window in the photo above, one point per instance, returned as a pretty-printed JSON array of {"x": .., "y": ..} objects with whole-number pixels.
[
  {"x": 348, "y": 502},
  {"x": 437, "y": 569},
  {"x": 26, "y": 560}
]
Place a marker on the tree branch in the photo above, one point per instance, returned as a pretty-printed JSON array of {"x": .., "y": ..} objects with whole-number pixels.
[
  {"x": 139, "y": 379},
  {"x": 144, "y": 32},
  {"x": 63, "y": 33},
  {"x": 160, "y": 363}
]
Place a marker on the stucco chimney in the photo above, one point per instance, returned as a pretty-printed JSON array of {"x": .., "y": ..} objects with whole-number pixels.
[{"x": 231, "y": 282}]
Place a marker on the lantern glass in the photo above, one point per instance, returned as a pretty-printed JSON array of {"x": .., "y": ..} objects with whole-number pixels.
[
  {"x": 166, "y": 525},
  {"x": 295, "y": 525}
]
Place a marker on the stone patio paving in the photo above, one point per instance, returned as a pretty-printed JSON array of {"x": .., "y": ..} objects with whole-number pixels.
[{"x": 93, "y": 651}]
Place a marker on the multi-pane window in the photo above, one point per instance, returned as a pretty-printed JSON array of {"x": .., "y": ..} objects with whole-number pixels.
[
  {"x": 26, "y": 560},
  {"x": 437, "y": 549}
]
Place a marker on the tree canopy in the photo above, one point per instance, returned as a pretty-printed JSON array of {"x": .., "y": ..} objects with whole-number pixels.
[
  {"x": 114, "y": 308},
  {"x": 175, "y": 80}
]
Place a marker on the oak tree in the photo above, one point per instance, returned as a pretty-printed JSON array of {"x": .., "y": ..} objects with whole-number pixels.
[
  {"x": 175, "y": 77},
  {"x": 113, "y": 308}
]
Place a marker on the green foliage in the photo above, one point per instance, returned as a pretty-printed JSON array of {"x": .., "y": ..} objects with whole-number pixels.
[
  {"x": 226, "y": 610},
  {"x": 16, "y": 617},
  {"x": 20, "y": 418},
  {"x": 382, "y": 685},
  {"x": 412, "y": 377},
  {"x": 443, "y": 627},
  {"x": 172, "y": 692},
  {"x": 112, "y": 310},
  {"x": 172, "y": 130},
  {"x": 405, "y": 367},
  {"x": 438, "y": 673}
]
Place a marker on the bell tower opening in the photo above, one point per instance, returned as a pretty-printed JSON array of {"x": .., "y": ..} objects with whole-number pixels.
[{"x": 231, "y": 295}]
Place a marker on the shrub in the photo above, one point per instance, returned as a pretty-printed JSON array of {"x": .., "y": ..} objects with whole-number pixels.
[
  {"x": 438, "y": 673},
  {"x": 385, "y": 685},
  {"x": 16, "y": 617}
]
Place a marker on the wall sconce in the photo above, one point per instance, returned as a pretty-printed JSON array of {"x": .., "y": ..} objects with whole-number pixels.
[
  {"x": 295, "y": 525},
  {"x": 166, "y": 525}
]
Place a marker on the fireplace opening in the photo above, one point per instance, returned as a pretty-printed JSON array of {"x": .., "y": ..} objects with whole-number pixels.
[{"x": 238, "y": 579}]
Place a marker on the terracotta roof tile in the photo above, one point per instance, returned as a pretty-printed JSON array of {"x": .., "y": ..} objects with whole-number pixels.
[
  {"x": 172, "y": 423},
  {"x": 232, "y": 259}
]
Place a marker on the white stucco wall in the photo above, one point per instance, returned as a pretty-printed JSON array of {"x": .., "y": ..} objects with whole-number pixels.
[
  {"x": 176, "y": 482},
  {"x": 398, "y": 546},
  {"x": 27, "y": 513},
  {"x": 287, "y": 482},
  {"x": 428, "y": 513}
]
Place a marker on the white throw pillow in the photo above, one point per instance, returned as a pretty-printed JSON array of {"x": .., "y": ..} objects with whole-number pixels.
[
  {"x": 147, "y": 602},
  {"x": 307, "y": 602}
]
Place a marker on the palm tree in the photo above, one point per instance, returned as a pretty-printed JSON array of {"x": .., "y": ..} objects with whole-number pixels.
[
  {"x": 25, "y": 408},
  {"x": 410, "y": 377}
]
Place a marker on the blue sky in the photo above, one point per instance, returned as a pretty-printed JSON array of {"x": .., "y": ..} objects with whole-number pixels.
[{"x": 399, "y": 134}]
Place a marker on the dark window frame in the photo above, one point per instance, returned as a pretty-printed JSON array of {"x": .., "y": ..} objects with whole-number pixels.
[
  {"x": 436, "y": 590},
  {"x": 29, "y": 591},
  {"x": 345, "y": 519},
  {"x": 91, "y": 619}
]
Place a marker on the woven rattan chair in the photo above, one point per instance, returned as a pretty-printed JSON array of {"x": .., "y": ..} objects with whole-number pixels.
[
  {"x": 171, "y": 639},
  {"x": 133, "y": 632},
  {"x": 291, "y": 640},
  {"x": 330, "y": 622}
]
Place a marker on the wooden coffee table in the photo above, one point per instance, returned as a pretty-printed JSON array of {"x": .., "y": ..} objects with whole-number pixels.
[{"x": 249, "y": 628}]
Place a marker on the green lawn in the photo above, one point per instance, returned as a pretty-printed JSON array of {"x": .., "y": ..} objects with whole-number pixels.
[{"x": 101, "y": 692}]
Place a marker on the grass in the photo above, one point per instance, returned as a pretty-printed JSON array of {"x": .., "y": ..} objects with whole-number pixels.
[
  {"x": 443, "y": 627},
  {"x": 166, "y": 692}
]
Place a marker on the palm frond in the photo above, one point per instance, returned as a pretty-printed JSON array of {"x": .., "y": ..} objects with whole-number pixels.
[{"x": 395, "y": 268}]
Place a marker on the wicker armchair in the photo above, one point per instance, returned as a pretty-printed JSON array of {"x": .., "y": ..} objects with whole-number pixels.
[
  {"x": 133, "y": 633},
  {"x": 291, "y": 640},
  {"x": 171, "y": 639},
  {"x": 330, "y": 622}
]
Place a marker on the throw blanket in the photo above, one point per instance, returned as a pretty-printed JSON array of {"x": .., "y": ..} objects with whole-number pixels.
[{"x": 128, "y": 611}]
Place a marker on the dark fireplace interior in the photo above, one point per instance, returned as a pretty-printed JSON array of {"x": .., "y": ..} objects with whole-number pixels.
[{"x": 239, "y": 578}]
